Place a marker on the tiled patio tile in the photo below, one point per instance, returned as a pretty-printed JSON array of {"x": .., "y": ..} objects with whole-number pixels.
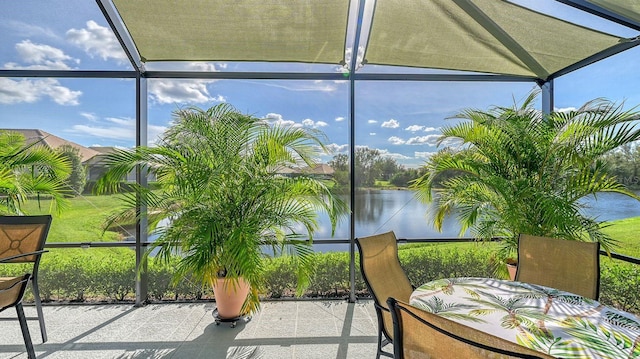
[{"x": 287, "y": 329}]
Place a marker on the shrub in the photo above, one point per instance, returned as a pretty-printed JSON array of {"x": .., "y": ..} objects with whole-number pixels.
[
  {"x": 619, "y": 282},
  {"x": 85, "y": 275}
]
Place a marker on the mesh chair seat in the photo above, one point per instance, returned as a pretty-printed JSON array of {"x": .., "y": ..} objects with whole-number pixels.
[
  {"x": 420, "y": 335},
  {"x": 11, "y": 294},
  {"x": 568, "y": 265},
  {"x": 384, "y": 278},
  {"x": 22, "y": 240}
]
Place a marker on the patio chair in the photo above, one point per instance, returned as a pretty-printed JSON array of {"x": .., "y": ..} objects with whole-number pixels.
[
  {"x": 420, "y": 334},
  {"x": 384, "y": 278},
  {"x": 568, "y": 265},
  {"x": 22, "y": 240},
  {"x": 11, "y": 293}
]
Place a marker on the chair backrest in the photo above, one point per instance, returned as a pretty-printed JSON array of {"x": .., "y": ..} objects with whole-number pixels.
[
  {"x": 571, "y": 266},
  {"x": 23, "y": 234},
  {"x": 382, "y": 272},
  {"x": 420, "y": 334},
  {"x": 12, "y": 291}
]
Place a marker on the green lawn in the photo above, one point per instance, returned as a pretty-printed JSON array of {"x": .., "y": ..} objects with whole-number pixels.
[
  {"x": 82, "y": 221},
  {"x": 626, "y": 232}
]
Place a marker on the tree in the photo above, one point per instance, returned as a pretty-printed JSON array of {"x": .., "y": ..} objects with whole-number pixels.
[
  {"x": 28, "y": 170},
  {"x": 387, "y": 167},
  {"x": 365, "y": 167},
  {"x": 340, "y": 165},
  {"x": 405, "y": 176},
  {"x": 624, "y": 163},
  {"x": 77, "y": 179},
  {"x": 519, "y": 171}
]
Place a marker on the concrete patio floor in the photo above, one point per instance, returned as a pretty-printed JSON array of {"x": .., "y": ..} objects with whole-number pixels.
[{"x": 282, "y": 329}]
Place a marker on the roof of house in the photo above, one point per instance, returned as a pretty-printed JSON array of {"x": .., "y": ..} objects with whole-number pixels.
[
  {"x": 320, "y": 169},
  {"x": 53, "y": 141}
]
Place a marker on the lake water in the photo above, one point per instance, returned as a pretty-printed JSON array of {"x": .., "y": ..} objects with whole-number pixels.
[{"x": 379, "y": 211}]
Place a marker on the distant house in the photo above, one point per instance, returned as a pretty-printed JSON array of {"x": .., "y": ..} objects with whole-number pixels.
[
  {"x": 92, "y": 157},
  {"x": 96, "y": 165},
  {"x": 322, "y": 171},
  {"x": 53, "y": 142}
]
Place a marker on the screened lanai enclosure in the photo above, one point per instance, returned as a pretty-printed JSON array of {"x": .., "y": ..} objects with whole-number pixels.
[{"x": 379, "y": 74}]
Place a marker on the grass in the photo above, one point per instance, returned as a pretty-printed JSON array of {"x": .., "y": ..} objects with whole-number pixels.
[
  {"x": 82, "y": 221},
  {"x": 626, "y": 232}
]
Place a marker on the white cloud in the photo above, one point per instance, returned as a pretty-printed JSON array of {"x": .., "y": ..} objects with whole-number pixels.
[
  {"x": 32, "y": 90},
  {"x": 396, "y": 140},
  {"x": 27, "y": 30},
  {"x": 372, "y": 133},
  {"x": 41, "y": 57},
  {"x": 430, "y": 129},
  {"x": 391, "y": 124},
  {"x": 424, "y": 155},
  {"x": 277, "y": 120},
  {"x": 116, "y": 128},
  {"x": 180, "y": 91},
  {"x": 89, "y": 116},
  {"x": 414, "y": 128},
  {"x": 321, "y": 124},
  {"x": 451, "y": 142},
  {"x": 166, "y": 91},
  {"x": 336, "y": 148},
  {"x": 564, "y": 109},
  {"x": 300, "y": 86},
  {"x": 98, "y": 41},
  {"x": 340, "y": 119},
  {"x": 395, "y": 156},
  {"x": 372, "y": 121},
  {"x": 430, "y": 140}
]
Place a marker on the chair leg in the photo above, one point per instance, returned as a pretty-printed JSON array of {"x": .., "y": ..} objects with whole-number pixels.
[
  {"x": 382, "y": 342},
  {"x": 36, "y": 296},
  {"x": 25, "y": 332}
]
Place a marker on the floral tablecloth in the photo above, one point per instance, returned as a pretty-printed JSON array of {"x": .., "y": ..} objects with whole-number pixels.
[{"x": 558, "y": 323}]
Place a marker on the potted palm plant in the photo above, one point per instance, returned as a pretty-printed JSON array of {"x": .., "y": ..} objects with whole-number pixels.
[
  {"x": 517, "y": 170},
  {"x": 223, "y": 205}
]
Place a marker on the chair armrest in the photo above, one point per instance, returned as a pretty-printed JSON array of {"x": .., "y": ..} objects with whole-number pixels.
[
  {"x": 9, "y": 259},
  {"x": 381, "y": 307},
  {"x": 25, "y": 278}
]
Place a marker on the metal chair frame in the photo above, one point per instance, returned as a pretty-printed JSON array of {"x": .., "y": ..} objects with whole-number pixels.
[
  {"x": 30, "y": 257},
  {"x": 16, "y": 302},
  {"x": 384, "y": 337}
]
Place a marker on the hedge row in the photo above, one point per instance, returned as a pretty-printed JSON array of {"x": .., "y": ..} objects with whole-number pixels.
[{"x": 89, "y": 276}]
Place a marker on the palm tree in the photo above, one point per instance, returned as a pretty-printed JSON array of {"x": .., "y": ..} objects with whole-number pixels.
[
  {"x": 30, "y": 170},
  {"x": 222, "y": 197},
  {"x": 520, "y": 171}
]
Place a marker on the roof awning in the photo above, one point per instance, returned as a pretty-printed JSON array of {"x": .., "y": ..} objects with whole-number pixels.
[
  {"x": 478, "y": 36},
  {"x": 481, "y": 36},
  {"x": 248, "y": 30},
  {"x": 627, "y": 8}
]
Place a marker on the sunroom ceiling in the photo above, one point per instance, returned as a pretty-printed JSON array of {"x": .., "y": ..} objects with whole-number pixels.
[
  {"x": 246, "y": 30},
  {"x": 628, "y": 8},
  {"x": 485, "y": 36},
  {"x": 480, "y": 35}
]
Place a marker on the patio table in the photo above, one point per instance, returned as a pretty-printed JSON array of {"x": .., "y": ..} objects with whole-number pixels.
[{"x": 555, "y": 322}]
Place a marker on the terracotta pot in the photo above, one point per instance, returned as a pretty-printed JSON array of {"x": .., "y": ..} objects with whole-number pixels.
[
  {"x": 512, "y": 267},
  {"x": 230, "y": 296}
]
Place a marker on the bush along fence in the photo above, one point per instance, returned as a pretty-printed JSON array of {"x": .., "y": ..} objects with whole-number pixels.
[{"x": 90, "y": 277}]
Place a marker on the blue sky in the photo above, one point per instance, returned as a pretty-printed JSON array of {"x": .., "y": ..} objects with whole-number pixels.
[{"x": 402, "y": 120}]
